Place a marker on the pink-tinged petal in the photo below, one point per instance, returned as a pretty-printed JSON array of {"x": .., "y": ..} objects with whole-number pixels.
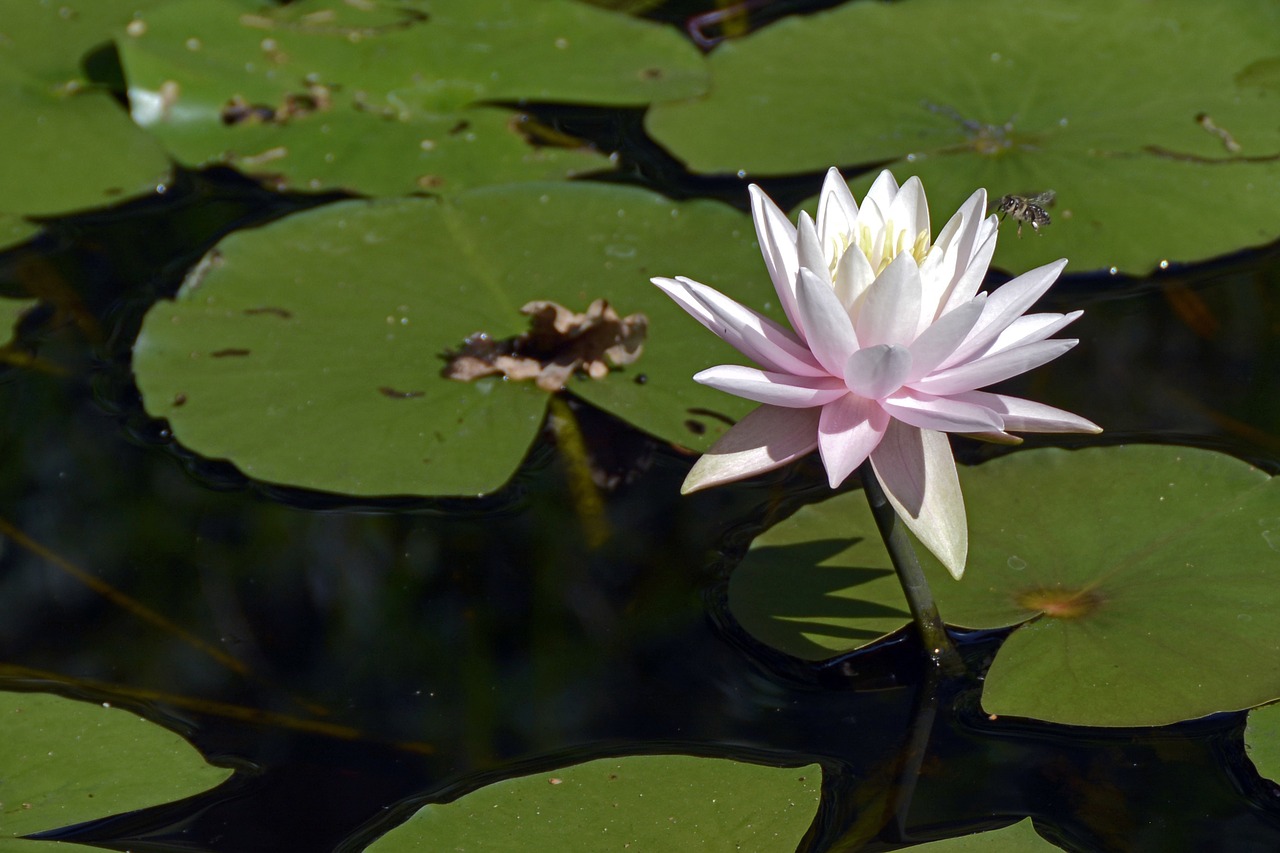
[
  {"x": 853, "y": 276},
  {"x": 909, "y": 212},
  {"x": 1029, "y": 416},
  {"x": 951, "y": 253},
  {"x": 1030, "y": 328},
  {"x": 777, "y": 238},
  {"x": 939, "y": 340},
  {"x": 837, "y": 211},
  {"x": 890, "y": 310},
  {"x": 831, "y": 336},
  {"x": 848, "y": 431},
  {"x": 944, "y": 414},
  {"x": 809, "y": 250},
  {"x": 1004, "y": 305},
  {"x": 975, "y": 272},
  {"x": 775, "y": 389},
  {"x": 876, "y": 372},
  {"x": 992, "y": 368},
  {"x": 918, "y": 474},
  {"x": 767, "y": 438},
  {"x": 753, "y": 334}
]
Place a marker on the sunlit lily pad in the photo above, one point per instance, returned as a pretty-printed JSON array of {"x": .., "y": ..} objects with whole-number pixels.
[
  {"x": 67, "y": 144},
  {"x": 1154, "y": 123},
  {"x": 11, "y": 311},
  {"x": 388, "y": 98},
  {"x": 643, "y": 802},
  {"x": 15, "y": 230},
  {"x": 309, "y": 352},
  {"x": 1146, "y": 563},
  {"x": 64, "y": 762},
  {"x": 1262, "y": 739},
  {"x": 1019, "y": 838}
]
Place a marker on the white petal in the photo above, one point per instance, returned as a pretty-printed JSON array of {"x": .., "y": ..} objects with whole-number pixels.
[
  {"x": 945, "y": 414},
  {"x": 1022, "y": 415},
  {"x": 767, "y": 438},
  {"x": 831, "y": 336},
  {"x": 754, "y": 335},
  {"x": 909, "y": 212},
  {"x": 809, "y": 250},
  {"x": 1030, "y": 328},
  {"x": 972, "y": 274},
  {"x": 776, "y": 389},
  {"x": 939, "y": 340},
  {"x": 853, "y": 276},
  {"x": 951, "y": 252},
  {"x": 1006, "y": 304},
  {"x": 837, "y": 211},
  {"x": 848, "y": 431},
  {"x": 876, "y": 372},
  {"x": 919, "y": 477},
  {"x": 777, "y": 238},
  {"x": 992, "y": 368},
  {"x": 890, "y": 310}
]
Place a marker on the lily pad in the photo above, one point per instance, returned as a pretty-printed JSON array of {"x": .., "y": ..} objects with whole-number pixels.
[
  {"x": 14, "y": 230},
  {"x": 1128, "y": 570},
  {"x": 309, "y": 352},
  {"x": 11, "y": 311},
  {"x": 1021, "y": 837},
  {"x": 64, "y": 762},
  {"x": 1160, "y": 143},
  {"x": 387, "y": 98},
  {"x": 643, "y": 802},
  {"x": 1262, "y": 739},
  {"x": 68, "y": 143}
]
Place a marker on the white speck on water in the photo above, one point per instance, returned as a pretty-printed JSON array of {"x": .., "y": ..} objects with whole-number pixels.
[
  {"x": 1017, "y": 563},
  {"x": 1164, "y": 265},
  {"x": 742, "y": 173},
  {"x": 193, "y": 44},
  {"x": 1112, "y": 271},
  {"x": 995, "y": 57},
  {"x": 562, "y": 43}
]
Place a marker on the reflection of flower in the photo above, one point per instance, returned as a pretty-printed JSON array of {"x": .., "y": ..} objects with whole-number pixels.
[{"x": 891, "y": 341}]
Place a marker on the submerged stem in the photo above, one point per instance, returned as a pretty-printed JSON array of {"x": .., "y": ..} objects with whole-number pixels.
[{"x": 919, "y": 597}]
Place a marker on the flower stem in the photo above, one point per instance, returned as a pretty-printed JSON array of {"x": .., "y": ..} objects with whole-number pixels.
[{"x": 924, "y": 612}]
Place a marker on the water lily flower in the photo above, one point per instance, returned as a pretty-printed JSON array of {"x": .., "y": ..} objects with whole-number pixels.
[{"x": 890, "y": 341}]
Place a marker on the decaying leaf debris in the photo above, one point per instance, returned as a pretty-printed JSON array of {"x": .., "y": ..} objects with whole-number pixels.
[{"x": 558, "y": 344}]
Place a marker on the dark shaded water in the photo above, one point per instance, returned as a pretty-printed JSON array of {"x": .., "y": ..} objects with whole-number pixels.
[{"x": 355, "y": 661}]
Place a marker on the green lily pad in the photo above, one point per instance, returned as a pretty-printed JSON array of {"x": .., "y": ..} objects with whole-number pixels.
[
  {"x": 15, "y": 230},
  {"x": 1160, "y": 143},
  {"x": 68, "y": 144},
  {"x": 1021, "y": 837},
  {"x": 1262, "y": 739},
  {"x": 11, "y": 311},
  {"x": 643, "y": 802},
  {"x": 387, "y": 98},
  {"x": 309, "y": 352},
  {"x": 1128, "y": 571},
  {"x": 64, "y": 762}
]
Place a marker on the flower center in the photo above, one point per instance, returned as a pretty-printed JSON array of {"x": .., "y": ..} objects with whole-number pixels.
[{"x": 895, "y": 242}]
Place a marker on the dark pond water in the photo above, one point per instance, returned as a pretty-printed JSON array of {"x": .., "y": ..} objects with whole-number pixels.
[{"x": 403, "y": 652}]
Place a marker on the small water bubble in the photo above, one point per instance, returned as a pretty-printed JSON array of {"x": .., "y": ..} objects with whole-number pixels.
[
  {"x": 1017, "y": 563},
  {"x": 1244, "y": 617},
  {"x": 193, "y": 44},
  {"x": 742, "y": 173},
  {"x": 911, "y": 158},
  {"x": 268, "y": 45},
  {"x": 1062, "y": 122},
  {"x": 561, "y": 43},
  {"x": 427, "y": 144},
  {"x": 616, "y": 251},
  {"x": 995, "y": 57},
  {"x": 1164, "y": 265},
  {"x": 1112, "y": 271}
]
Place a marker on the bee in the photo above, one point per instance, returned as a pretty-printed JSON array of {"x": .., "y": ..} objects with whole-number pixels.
[{"x": 1029, "y": 209}]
